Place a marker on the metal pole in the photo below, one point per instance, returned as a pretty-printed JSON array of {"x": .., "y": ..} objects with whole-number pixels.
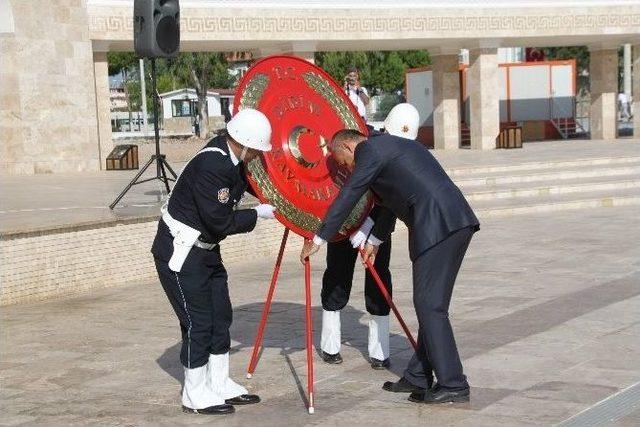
[
  {"x": 155, "y": 115},
  {"x": 387, "y": 297},
  {"x": 627, "y": 70},
  {"x": 309, "y": 331},
  {"x": 257, "y": 345},
  {"x": 143, "y": 90}
]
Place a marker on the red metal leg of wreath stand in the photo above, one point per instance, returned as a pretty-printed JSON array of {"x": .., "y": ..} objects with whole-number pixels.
[
  {"x": 309, "y": 327},
  {"x": 267, "y": 306},
  {"x": 387, "y": 297}
]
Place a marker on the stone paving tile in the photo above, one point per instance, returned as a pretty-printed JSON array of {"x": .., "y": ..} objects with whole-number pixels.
[
  {"x": 630, "y": 420},
  {"x": 545, "y": 313},
  {"x": 568, "y": 392},
  {"x": 543, "y": 412}
]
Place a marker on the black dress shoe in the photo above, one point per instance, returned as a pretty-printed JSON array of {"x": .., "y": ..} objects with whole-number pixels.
[
  {"x": 243, "y": 399},
  {"x": 211, "y": 410},
  {"x": 379, "y": 364},
  {"x": 438, "y": 395},
  {"x": 401, "y": 386},
  {"x": 334, "y": 359}
]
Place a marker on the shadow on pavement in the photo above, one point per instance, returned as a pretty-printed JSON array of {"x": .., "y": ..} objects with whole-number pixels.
[{"x": 288, "y": 335}]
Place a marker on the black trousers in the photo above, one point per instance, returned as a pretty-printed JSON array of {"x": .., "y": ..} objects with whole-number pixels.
[
  {"x": 338, "y": 277},
  {"x": 434, "y": 274},
  {"x": 199, "y": 296}
]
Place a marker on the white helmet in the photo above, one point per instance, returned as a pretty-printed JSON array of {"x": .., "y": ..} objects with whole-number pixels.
[
  {"x": 403, "y": 121},
  {"x": 250, "y": 128}
]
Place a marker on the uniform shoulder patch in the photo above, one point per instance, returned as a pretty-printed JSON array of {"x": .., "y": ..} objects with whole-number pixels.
[{"x": 223, "y": 195}]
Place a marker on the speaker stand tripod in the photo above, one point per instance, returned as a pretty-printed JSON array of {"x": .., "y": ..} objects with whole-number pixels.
[
  {"x": 257, "y": 346},
  {"x": 157, "y": 158}
]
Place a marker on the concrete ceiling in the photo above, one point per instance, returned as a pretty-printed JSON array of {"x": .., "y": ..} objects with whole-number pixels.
[{"x": 330, "y": 25}]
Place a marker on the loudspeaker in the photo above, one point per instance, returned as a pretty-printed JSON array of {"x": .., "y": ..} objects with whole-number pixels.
[{"x": 156, "y": 28}]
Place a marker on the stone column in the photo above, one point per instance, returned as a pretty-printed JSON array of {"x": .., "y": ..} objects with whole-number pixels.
[
  {"x": 446, "y": 102},
  {"x": 603, "y": 71},
  {"x": 635, "y": 84},
  {"x": 626, "y": 70},
  {"x": 103, "y": 105},
  {"x": 482, "y": 84}
]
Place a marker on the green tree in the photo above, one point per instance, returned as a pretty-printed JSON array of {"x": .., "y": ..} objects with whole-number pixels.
[
  {"x": 165, "y": 82},
  {"x": 121, "y": 62},
  {"x": 202, "y": 70},
  {"x": 379, "y": 71},
  {"x": 580, "y": 54},
  {"x": 415, "y": 58},
  {"x": 337, "y": 64},
  {"x": 388, "y": 75}
]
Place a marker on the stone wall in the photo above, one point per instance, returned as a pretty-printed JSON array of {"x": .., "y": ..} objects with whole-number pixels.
[
  {"x": 66, "y": 261},
  {"x": 47, "y": 91},
  {"x": 178, "y": 125}
]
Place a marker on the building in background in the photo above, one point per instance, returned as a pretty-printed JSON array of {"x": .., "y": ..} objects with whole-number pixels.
[
  {"x": 64, "y": 55},
  {"x": 179, "y": 110},
  {"x": 123, "y": 120},
  {"x": 239, "y": 63},
  {"x": 539, "y": 97}
]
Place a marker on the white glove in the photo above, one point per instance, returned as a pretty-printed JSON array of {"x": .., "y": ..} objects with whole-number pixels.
[
  {"x": 265, "y": 211},
  {"x": 358, "y": 238}
]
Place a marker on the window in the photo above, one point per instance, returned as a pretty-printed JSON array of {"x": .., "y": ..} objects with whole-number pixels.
[{"x": 182, "y": 108}]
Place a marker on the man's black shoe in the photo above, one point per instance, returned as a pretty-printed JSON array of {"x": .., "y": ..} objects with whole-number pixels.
[
  {"x": 243, "y": 399},
  {"x": 380, "y": 364},
  {"x": 401, "y": 386},
  {"x": 438, "y": 395},
  {"x": 211, "y": 410},
  {"x": 334, "y": 359}
]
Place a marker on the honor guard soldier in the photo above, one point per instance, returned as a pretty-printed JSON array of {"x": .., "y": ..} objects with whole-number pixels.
[
  {"x": 413, "y": 187},
  {"x": 199, "y": 214},
  {"x": 403, "y": 121}
]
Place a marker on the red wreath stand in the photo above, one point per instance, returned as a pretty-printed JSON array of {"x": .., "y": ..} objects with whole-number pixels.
[{"x": 308, "y": 318}]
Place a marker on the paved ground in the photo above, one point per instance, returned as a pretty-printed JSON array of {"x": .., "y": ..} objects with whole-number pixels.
[
  {"x": 546, "y": 314},
  {"x": 45, "y": 201}
]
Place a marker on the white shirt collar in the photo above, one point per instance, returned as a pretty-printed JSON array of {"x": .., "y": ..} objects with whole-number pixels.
[{"x": 232, "y": 155}]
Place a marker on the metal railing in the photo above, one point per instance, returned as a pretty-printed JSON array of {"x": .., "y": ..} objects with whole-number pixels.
[{"x": 565, "y": 120}]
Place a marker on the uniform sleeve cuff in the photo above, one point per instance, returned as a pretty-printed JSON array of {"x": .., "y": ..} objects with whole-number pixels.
[
  {"x": 319, "y": 240},
  {"x": 374, "y": 240}
]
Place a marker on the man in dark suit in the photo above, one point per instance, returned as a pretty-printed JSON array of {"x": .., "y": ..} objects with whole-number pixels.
[
  {"x": 199, "y": 214},
  {"x": 413, "y": 187}
]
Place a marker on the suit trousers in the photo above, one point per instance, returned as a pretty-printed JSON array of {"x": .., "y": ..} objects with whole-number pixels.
[
  {"x": 199, "y": 295},
  {"x": 338, "y": 277},
  {"x": 434, "y": 274}
]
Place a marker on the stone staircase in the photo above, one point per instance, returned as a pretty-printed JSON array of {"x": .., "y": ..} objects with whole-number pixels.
[{"x": 550, "y": 186}]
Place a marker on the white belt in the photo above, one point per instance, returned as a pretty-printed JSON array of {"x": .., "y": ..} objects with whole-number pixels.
[{"x": 184, "y": 238}]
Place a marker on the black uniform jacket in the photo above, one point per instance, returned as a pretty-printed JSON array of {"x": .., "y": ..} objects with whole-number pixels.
[
  {"x": 204, "y": 198},
  {"x": 411, "y": 184}
]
